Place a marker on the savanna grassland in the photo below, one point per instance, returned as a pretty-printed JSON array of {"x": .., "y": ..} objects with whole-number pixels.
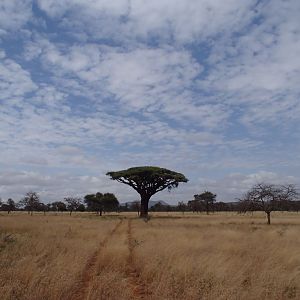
[{"x": 172, "y": 256}]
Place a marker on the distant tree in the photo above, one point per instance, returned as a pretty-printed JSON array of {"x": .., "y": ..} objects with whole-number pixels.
[
  {"x": 58, "y": 206},
  {"x": 268, "y": 197},
  {"x": 11, "y": 205},
  {"x": 109, "y": 202},
  {"x": 136, "y": 206},
  {"x": 158, "y": 207},
  {"x": 147, "y": 181},
  {"x": 93, "y": 202},
  {"x": 208, "y": 199},
  {"x": 221, "y": 206},
  {"x": 81, "y": 208},
  {"x": 73, "y": 203},
  {"x": 195, "y": 205},
  {"x": 42, "y": 207},
  {"x": 295, "y": 206},
  {"x": 101, "y": 202},
  {"x": 31, "y": 202},
  {"x": 181, "y": 206}
]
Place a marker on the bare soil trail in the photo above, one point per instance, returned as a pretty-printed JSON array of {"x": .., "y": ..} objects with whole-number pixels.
[
  {"x": 81, "y": 289},
  {"x": 136, "y": 285}
]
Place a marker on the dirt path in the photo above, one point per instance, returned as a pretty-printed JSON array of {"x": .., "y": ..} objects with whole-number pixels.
[
  {"x": 82, "y": 287},
  {"x": 136, "y": 285}
]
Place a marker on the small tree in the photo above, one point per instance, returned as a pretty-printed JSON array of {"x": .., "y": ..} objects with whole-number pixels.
[
  {"x": 208, "y": 199},
  {"x": 11, "y": 205},
  {"x": 73, "y": 203},
  {"x": 81, "y": 208},
  {"x": 182, "y": 207},
  {"x": 8, "y": 206},
  {"x": 195, "y": 206},
  {"x": 58, "y": 206},
  {"x": 109, "y": 202},
  {"x": 30, "y": 202},
  {"x": 94, "y": 202},
  {"x": 268, "y": 197},
  {"x": 148, "y": 181}
]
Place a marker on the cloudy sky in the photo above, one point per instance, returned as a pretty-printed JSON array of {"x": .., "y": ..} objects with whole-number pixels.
[{"x": 209, "y": 88}]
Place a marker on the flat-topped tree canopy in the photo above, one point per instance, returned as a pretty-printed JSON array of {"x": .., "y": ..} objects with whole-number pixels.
[{"x": 147, "y": 181}]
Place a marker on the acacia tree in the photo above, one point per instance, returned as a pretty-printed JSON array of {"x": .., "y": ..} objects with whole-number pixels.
[
  {"x": 73, "y": 203},
  {"x": 30, "y": 202},
  {"x": 208, "y": 199},
  {"x": 147, "y": 181},
  {"x": 268, "y": 197}
]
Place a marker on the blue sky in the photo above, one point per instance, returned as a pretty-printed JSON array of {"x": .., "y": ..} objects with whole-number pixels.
[{"x": 209, "y": 88}]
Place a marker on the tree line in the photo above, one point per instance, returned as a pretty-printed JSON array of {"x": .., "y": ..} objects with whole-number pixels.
[
  {"x": 148, "y": 180},
  {"x": 31, "y": 202}
]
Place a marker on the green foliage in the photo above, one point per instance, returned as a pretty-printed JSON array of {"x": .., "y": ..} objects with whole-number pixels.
[
  {"x": 148, "y": 179},
  {"x": 147, "y": 172},
  {"x": 57, "y": 206},
  {"x": 73, "y": 203},
  {"x": 109, "y": 202},
  {"x": 101, "y": 202},
  {"x": 206, "y": 200}
]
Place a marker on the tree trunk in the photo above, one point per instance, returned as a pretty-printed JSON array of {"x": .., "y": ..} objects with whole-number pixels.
[
  {"x": 269, "y": 217},
  {"x": 144, "y": 206}
]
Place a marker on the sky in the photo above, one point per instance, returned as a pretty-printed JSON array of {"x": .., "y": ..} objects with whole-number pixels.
[{"x": 208, "y": 88}]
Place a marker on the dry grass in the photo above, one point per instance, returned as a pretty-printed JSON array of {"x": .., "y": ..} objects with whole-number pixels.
[{"x": 173, "y": 256}]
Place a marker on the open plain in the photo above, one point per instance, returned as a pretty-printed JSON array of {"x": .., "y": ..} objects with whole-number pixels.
[{"x": 172, "y": 256}]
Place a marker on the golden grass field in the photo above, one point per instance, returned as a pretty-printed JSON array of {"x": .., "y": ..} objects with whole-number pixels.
[{"x": 172, "y": 256}]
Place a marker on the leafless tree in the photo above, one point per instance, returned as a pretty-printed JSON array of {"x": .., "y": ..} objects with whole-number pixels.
[
  {"x": 268, "y": 197},
  {"x": 30, "y": 202}
]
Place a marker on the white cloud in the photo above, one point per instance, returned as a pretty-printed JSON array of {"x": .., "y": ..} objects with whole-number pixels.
[
  {"x": 104, "y": 85},
  {"x": 234, "y": 185},
  {"x": 14, "y": 14},
  {"x": 184, "y": 21},
  {"x": 147, "y": 80},
  {"x": 260, "y": 68},
  {"x": 14, "y": 80}
]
